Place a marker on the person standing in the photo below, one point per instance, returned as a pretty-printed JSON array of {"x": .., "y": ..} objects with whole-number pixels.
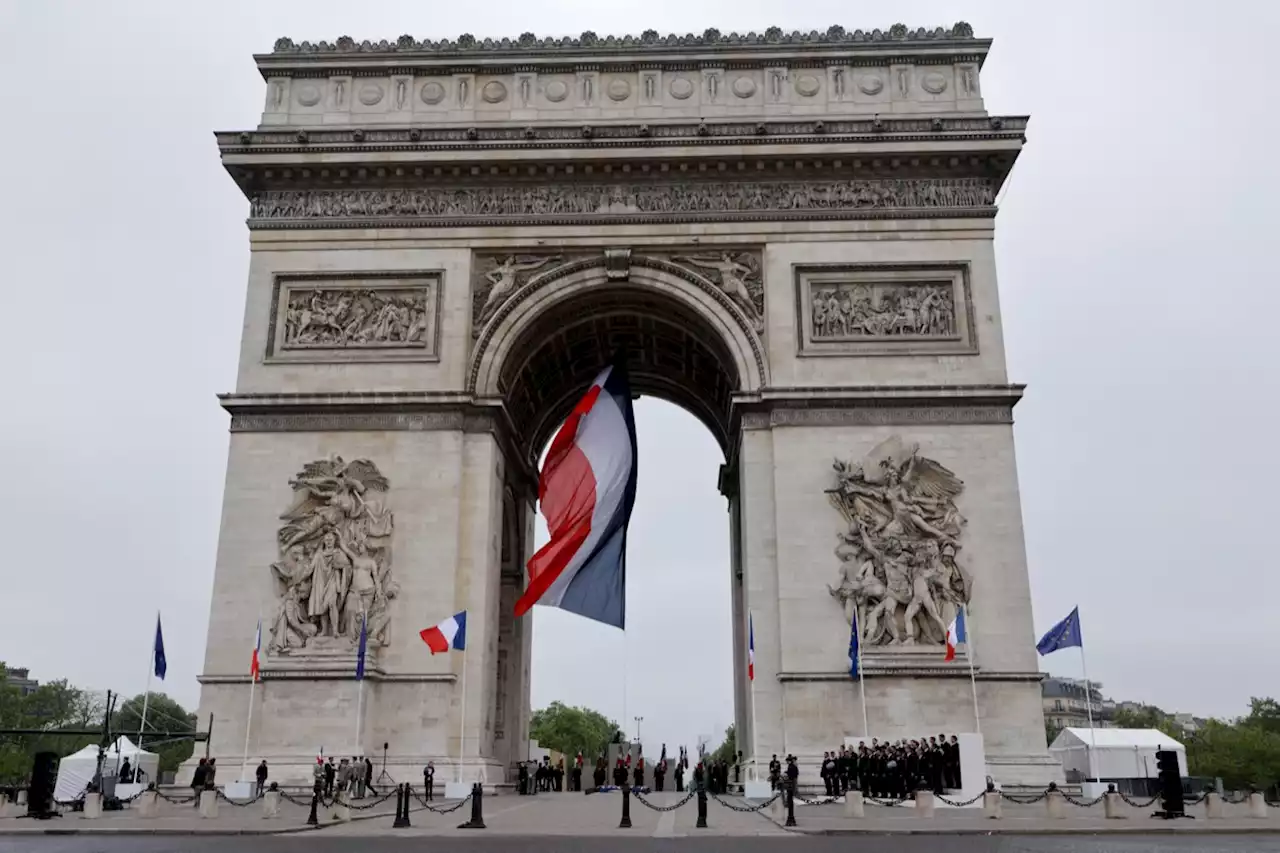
[
  {"x": 197, "y": 780},
  {"x": 429, "y": 780},
  {"x": 679, "y": 777},
  {"x": 261, "y": 775},
  {"x": 329, "y": 773},
  {"x": 211, "y": 773},
  {"x": 639, "y": 772}
]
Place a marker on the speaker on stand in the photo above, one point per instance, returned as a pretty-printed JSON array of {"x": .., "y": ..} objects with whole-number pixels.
[{"x": 384, "y": 775}]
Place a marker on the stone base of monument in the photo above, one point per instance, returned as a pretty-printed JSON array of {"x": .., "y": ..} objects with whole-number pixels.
[
  {"x": 240, "y": 790},
  {"x": 457, "y": 790}
]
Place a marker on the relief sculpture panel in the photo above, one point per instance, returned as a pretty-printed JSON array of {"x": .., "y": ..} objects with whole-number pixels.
[
  {"x": 899, "y": 570},
  {"x": 884, "y": 310},
  {"x": 334, "y": 567},
  {"x": 373, "y": 317}
]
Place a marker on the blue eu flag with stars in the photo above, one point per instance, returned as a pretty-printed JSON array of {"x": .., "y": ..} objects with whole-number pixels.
[
  {"x": 853, "y": 649},
  {"x": 161, "y": 663},
  {"x": 1064, "y": 635}
]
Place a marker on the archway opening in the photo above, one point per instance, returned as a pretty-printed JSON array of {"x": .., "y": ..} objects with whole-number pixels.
[{"x": 670, "y": 677}]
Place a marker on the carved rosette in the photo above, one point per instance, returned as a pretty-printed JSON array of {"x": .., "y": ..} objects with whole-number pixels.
[
  {"x": 899, "y": 570},
  {"x": 334, "y": 567}
]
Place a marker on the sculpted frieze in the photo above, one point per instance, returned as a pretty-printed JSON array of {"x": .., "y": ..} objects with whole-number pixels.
[
  {"x": 653, "y": 200},
  {"x": 334, "y": 567},
  {"x": 340, "y": 318},
  {"x": 883, "y": 310},
  {"x": 899, "y": 570},
  {"x": 499, "y": 277},
  {"x": 737, "y": 274}
]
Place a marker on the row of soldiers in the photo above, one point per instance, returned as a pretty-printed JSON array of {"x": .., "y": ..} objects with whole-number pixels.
[{"x": 893, "y": 770}]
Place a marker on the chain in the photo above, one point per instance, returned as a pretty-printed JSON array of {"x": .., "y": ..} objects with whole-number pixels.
[
  {"x": 134, "y": 797},
  {"x": 180, "y": 801},
  {"x": 444, "y": 810},
  {"x": 957, "y": 803},
  {"x": 745, "y": 808},
  {"x": 1024, "y": 802},
  {"x": 689, "y": 796},
  {"x": 364, "y": 808},
  {"x": 819, "y": 802},
  {"x": 237, "y": 803},
  {"x": 305, "y": 802},
  {"x": 1227, "y": 798},
  {"x": 1136, "y": 804},
  {"x": 1191, "y": 801},
  {"x": 1082, "y": 803}
]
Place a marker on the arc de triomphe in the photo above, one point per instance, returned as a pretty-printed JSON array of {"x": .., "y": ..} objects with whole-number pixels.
[{"x": 792, "y": 233}]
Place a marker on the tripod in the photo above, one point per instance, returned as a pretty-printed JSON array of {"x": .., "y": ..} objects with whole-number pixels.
[{"x": 384, "y": 774}]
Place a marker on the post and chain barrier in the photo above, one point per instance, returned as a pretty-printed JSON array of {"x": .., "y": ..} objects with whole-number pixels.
[
  {"x": 437, "y": 809},
  {"x": 625, "y": 823},
  {"x": 745, "y": 808},
  {"x": 238, "y": 803},
  {"x": 821, "y": 801},
  {"x": 959, "y": 804},
  {"x": 1082, "y": 803},
  {"x": 640, "y": 797},
  {"x": 1137, "y": 805}
]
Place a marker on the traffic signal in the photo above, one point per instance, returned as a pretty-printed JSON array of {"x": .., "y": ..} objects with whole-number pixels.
[{"x": 1170, "y": 778}]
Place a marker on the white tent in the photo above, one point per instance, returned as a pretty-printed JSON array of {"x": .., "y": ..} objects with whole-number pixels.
[
  {"x": 1116, "y": 753},
  {"x": 77, "y": 770}
]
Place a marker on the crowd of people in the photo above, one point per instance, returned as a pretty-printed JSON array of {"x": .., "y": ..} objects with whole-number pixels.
[
  {"x": 352, "y": 777},
  {"x": 896, "y": 769}
]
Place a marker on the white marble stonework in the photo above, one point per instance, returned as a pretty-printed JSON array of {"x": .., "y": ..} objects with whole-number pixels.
[{"x": 435, "y": 224}]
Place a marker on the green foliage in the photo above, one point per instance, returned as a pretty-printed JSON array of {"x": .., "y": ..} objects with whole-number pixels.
[
  {"x": 1051, "y": 732},
  {"x": 57, "y": 706},
  {"x": 1244, "y": 753},
  {"x": 728, "y": 749},
  {"x": 163, "y": 714},
  {"x": 570, "y": 730}
]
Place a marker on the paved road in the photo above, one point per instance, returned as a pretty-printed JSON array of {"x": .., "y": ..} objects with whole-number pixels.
[{"x": 321, "y": 842}]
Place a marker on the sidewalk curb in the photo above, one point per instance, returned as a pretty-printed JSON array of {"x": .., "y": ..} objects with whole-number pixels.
[{"x": 1116, "y": 831}]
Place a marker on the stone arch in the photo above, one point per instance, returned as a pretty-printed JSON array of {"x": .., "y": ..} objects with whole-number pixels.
[{"x": 691, "y": 344}]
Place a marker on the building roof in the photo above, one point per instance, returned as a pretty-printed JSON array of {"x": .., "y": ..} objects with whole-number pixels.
[{"x": 1115, "y": 739}]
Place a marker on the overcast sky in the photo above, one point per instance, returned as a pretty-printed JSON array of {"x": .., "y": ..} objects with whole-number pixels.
[{"x": 1138, "y": 287}]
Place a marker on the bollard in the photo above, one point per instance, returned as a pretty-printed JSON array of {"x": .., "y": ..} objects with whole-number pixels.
[
  {"x": 791, "y": 806},
  {"x": 401, "y": 820},
  {"x": 625, "y": 823},
  {"x": 477, "y": 809},
  {"x": 1111, "y": 806},
  {"x": 991, "y": 806},
  {"x": 209, "y": 803},
  {"x": 854, "y": 806},
  {"x": 1257, "y": 806},
  {"x": 148, "y": 803},
  {"x": 1054, "y": 805},
  {"x": 22, "y": 797},
  {"x": 271, "y": 803},
  {"x": 702, "y": 808},
  {"x": 92, "y": 806},
  {"x": 1212, "y": 805},
  {"x": 925, "y": 804},
  {"x": 341, "y": 808},
  {"x": 312, "y": 820}
]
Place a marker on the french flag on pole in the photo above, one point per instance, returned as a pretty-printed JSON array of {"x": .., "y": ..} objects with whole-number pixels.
[
  {"x": 257, "y": 647},
  {"x": 449, "y": 634},
  {"x": 751, "y": 648},
  {"x": 587, "y": 489},
  {"x": 955, "y": 634}
]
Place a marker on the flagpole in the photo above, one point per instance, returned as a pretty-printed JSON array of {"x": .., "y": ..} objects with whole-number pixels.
[
  {"x": 146, "y": 697},
  {"x": 973, "y": 678},
  {"x": 1088, "y": 704},
  {"x": 248, "y": 722},
  {"x": 462, "y": 722},
  {"x": 862, "y": 675},
  {"x": 360, "y": 683}
]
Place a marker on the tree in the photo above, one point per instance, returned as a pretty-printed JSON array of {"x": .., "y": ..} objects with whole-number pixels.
[
  {"x": 51, "y": 707},
  {"x": 1264, "y": 714},
  {"x": 163, "y": 714},
  {"x": 1051, "y": 732},
  {"x": 570, "y": 730},
  {"x": 728, "y": 749}
]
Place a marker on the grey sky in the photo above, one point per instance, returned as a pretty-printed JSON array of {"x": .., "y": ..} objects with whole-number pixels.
[{"x": 1137, "y": 286}]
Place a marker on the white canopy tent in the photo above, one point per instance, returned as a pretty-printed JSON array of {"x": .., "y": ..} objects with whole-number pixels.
[
  {"x": 77, "y": 770},
  {"x": 1116, "y": 753}
]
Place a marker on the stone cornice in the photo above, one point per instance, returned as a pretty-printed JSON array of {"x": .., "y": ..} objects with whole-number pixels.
[
  {"x": 902, "y": 405},
  {"x": 236, "y": 145},
  {"x": 940, "y": 671},
  {"x": 406, "y": 51}
]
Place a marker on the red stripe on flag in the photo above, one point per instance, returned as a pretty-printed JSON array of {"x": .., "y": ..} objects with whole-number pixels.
[{"x": 567, "y": 492}]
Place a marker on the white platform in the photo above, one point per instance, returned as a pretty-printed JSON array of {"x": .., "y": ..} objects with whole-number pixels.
[
  {"x": 240, "y": 790},
  {"x": 757, "y": 790},
  {"x": 457, "y": 790}
]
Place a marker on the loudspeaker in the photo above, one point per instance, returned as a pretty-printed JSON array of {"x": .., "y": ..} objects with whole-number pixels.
[
  {"x": 1170, "y": 778},
  {"x": 44, "y": 777}
]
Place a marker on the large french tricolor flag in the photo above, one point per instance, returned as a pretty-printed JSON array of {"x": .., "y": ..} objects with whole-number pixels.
[
  {"x": 254, "y": 665},
  {"x": 751, "y": 648},
  {"x": 449, "y": 634},
  {"x": 587, "y": 489}
]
